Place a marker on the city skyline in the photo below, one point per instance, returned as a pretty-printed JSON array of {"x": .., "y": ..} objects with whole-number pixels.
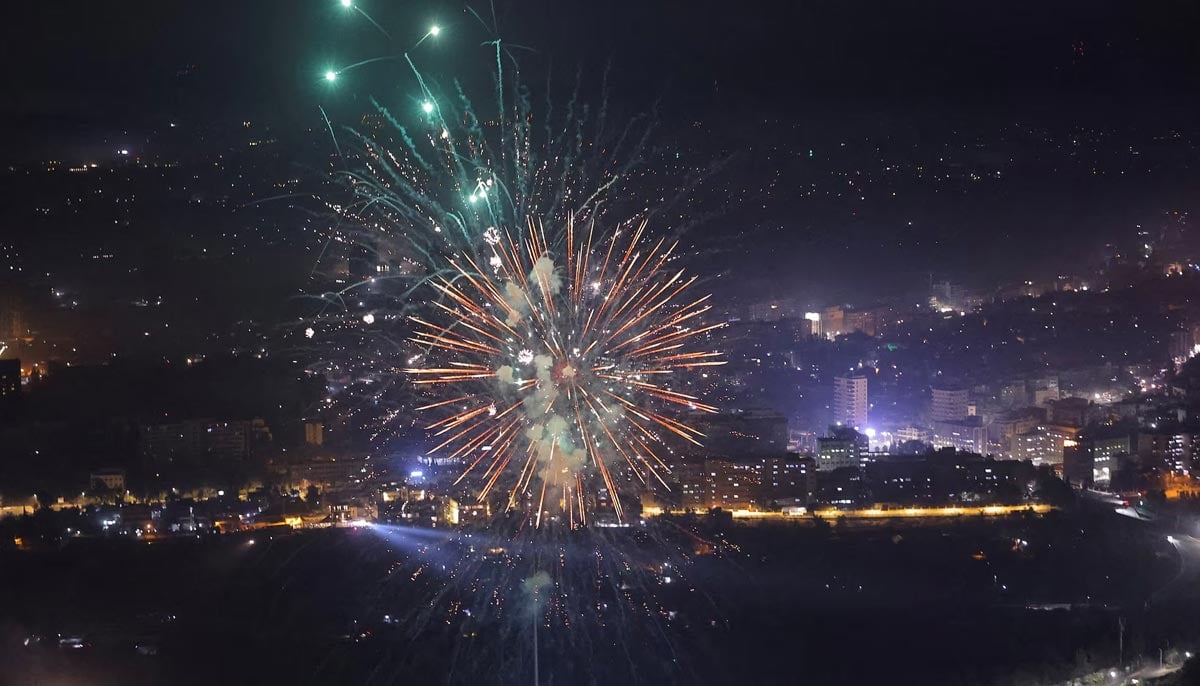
[{"x": 355, "y": 341}]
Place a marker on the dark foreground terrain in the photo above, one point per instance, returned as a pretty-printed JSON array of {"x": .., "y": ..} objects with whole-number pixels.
[{"x": 1012, "y": 601}]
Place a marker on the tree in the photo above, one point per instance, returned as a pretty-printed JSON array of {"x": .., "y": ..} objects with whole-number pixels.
[
  {"x": 1008, "y": 493},
  {"x": 822, "y": 527},
  {"x": 1190, "y": 674},
  {"x": 1050, "y": 489},
  {"x": 106, "y": 495}
]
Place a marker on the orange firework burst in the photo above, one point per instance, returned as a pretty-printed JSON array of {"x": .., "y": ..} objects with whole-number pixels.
[{"x": 562, "y": 373}]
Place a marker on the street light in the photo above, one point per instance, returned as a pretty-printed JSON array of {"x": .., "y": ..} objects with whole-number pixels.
[
  {"x": 434, "y": 30},
  {"x": 331, "y": 76}
]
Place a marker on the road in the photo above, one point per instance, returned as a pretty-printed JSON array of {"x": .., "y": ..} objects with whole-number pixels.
[{"x": 1185, "y": 584}]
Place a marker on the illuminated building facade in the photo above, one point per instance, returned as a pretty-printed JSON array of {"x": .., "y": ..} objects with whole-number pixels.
[
  {"x": 10, "y": 382},
  {"x": 791, "y": 477},
  {"x": 108, "y": 479},
  {"x": 833, "y": 322},
  {"x": 314, "y": 433},
  {"x": 844, "y": 447},
  {"x": 850, "y": 401},
  {"x": 1045, "y": 443},
  {"x": 201, "y": 439},
  {"x": 865, "y": 322},
  {"x": 710, "y": 484},
  {"x": 949, "y": 404},
  {"x": 968, "y": 434},
  {"x": 1169, "y": 450},
  {"x": 1106, "y": 456},
  {"x": 1004, "y": 428},
  {"x": 814, "y": 322},
  {"x": 739, "y": 435}
]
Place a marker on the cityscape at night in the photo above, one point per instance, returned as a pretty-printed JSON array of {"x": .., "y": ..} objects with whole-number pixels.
[{"x": 371, "y": 342}]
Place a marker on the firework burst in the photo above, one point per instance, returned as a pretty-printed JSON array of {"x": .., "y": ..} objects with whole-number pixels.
[
  {"x": 564, "y": 362},
  {"x": 549, "y": 345}
]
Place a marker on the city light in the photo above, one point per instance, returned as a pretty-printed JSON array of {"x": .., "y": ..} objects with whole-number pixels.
[
  {"x": 895, "y": 513},
  {"x": 522, "y": 434}
]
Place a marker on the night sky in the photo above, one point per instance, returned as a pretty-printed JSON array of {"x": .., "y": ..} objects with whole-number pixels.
[{"x": 85, "y": 67}]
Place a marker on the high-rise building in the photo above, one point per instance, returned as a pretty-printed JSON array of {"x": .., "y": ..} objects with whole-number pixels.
[
  {"x": 314, "y": 433},
  {"x": 1069, "y": 411},
  {"x": 1166, "y": 449},
  {"x": 850, "y": 401},
  {"x": 709, "y": 484},
  {"x": 802, "y": 442},
  {"x": 1009, "y": 424},
  {"x": 941, "y": 478},
  {"x": 1045, "y": 443},
  {"x": 790, "y": 477},
  {"x": 771, "y": 310},
  {"x": 1042, "y": 397},
  {"x": 951, "y": 297},
  {"x": 913, "y": 433},
  {"x": 1181, "y": 345},
  {"x": 833, "y": 321},
  {"x": 1013, "y": 395},
  {"x": 1079, "y": 465},
  {"x": 10, "y": 382},
  {"x": 814, "y": 321},
  {"x": 1045, "y": 390},
  {"x": 967, "y": 434},
  {"x": 842, "y": 448},
  {"x": 112, "y": 479},
  {"x": 738, "y": 435},
  {"x": 1107, "y": 454},
  {"x": 195, "y": 439},
  {"x": 12, "y": 325},
  {"x": 949, "y": 404},
  {"x": 861, "y": 321}
]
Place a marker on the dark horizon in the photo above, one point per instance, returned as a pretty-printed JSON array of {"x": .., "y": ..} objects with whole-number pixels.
[{"x": 1108, "y": 64}]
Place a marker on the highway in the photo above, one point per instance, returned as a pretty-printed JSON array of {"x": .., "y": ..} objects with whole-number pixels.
[
  {"x": 900, "y": 512},
  {"x": 1186, "y": 583}
]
